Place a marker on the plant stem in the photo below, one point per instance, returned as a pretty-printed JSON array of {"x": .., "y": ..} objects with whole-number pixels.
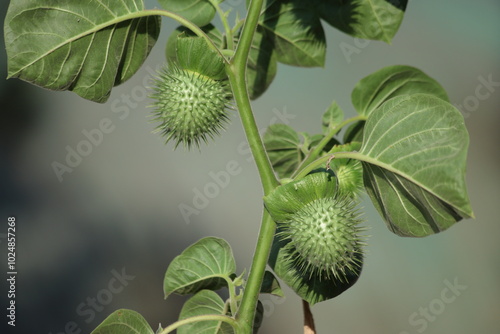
[
  {"x": 321, "y": 145},
  {"x": 227, "y": 28},
  {"x": 236, "y": 71},
  {"x": 208, "y": 317},
  {"x": 246, "y": 313},
  {"x": 309, "y": 327}
]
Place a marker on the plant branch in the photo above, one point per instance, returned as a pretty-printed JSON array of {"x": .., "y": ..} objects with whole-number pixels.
[
  {"x": 321, "y": 145},
  {"x": 246, "y": 312},
  {"x": 208, "y": 317},
  {"x": 227, "y": 28},
  {"x": 309, "y": 327}
]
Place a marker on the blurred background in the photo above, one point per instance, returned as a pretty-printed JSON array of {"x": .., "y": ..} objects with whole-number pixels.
[{"x": 116, "y": 214}]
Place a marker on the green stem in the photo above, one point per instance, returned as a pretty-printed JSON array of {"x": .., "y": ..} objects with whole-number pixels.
[
  {"x": 152, "y": 12},
  {"x": 321, "y": 145},
  {"x": 323, "y": 161},
  {"x": 246, "y": 312},
  {"x": 236, "y": 71},
  {"x": 208, "y": 317},
  {"x": 227, "y": 28}
]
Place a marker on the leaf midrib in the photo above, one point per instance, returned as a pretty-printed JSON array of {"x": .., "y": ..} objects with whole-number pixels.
[{"x": 88, "y": 32}]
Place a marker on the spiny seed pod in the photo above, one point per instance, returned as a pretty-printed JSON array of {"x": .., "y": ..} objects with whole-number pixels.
[
  {"x": 318, "y": 247},
  {"x": 190, "y": 106},
  {"x": 324, "y": 237}
]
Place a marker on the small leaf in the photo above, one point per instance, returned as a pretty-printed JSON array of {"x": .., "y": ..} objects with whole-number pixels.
[
  {"x": 271, "y": 285},
  {"x": 171, "y": 46},
  {"x": 207, "y": 264},
  {"x": 194, "y": 54},
  {"x": 124, "y": 321},
  {"x": 299, "y": 39},
  {"x": 200, "y": 12},
  {"x": 414, "y": 155},
  {"x": 262, "y": 63},
  {"x": 204, "y": 302},
  {"x": 368, "y": 19},
  {"x": 372, "y": 91},
  {"x": 83, "y": 46},
  {"x": 332, "y": 117},
  {"x": 283, "y": 148}
]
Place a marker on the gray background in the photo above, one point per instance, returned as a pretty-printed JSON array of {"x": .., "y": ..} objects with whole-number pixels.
[{"x": 119, "y": 209}]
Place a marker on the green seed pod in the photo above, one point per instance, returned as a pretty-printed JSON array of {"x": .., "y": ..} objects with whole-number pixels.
[
  {"x": 318, "y": 247},
  {"x": 349, "y": 172},
  {"x": 190, "y": 106},
  {"x": 324, "y": 237}
]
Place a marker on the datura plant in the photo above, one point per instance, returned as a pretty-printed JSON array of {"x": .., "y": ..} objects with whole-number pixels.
[{"x": 406, "y": 147}]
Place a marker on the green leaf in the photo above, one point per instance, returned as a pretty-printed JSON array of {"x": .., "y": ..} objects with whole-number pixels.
[
  {"x": 299, "y": 39},
  {"x": 124, "y": 321},
  {"x": 332, "y": 117},
  {"x": 372, "y": 91},
  {"x": 368, "y": 19},
  {"x": 262, "y": 63},
  {"x": 200, "y": 12},
  {"x": 83, "y": 46},
  {"x": 271, "y": 285},
  {"x": 310, "y": 287},
  {"x": 354, "y": 132},
  {"x": 193, "y": 53},
  {"x": 207, "y": 264},
  {"x": 171, "y": 46},
  {"x": 414, "y": 157},
  {"x": 283, "y": 147},
  {"x": 205, "y": 302}
]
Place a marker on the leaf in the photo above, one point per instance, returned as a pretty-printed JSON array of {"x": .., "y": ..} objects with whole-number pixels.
[
  {"x": 332, "y": 117},
  {"x": 207, "y": 264},
  {"x": 171, "y": 46},
  {"x": 368, "y": 19},
  {"x": 200, "y": 12},
  {"x": 310, "y": 287},
  {"x": 271, "y": 285},
  {"x": 83, "y": 46},
  {"x": 299, "y": 39},
  {"x": 354, "y": 132},
  {"x": 193, "y": 53},
  {"x": 388, "y": 82},
  {"x": 283, "y": 147},
  {"x": 414, "y": 155},
  {"x": 205, "y": 302},
  {"x": 124, "y": 321},
  {"x": 262, "y": 63}
]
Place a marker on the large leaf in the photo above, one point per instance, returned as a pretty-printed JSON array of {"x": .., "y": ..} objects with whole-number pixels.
[
  {"x": 262, "y": 63},
  {"x": 414, "y": 155},
  {"x": 299, "y": 38},
  {"x": 388, "y": 82},
  {"x": 200, "y": 12},
  {"x": 368, "y": 19},
  {"x": 283, "y": 148},
  {"x": 124, "y": 321},
  {"x": 207, "y": 264},
  {"x": 205, "y": 302},
  {"x": 83, "y": 46}
]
